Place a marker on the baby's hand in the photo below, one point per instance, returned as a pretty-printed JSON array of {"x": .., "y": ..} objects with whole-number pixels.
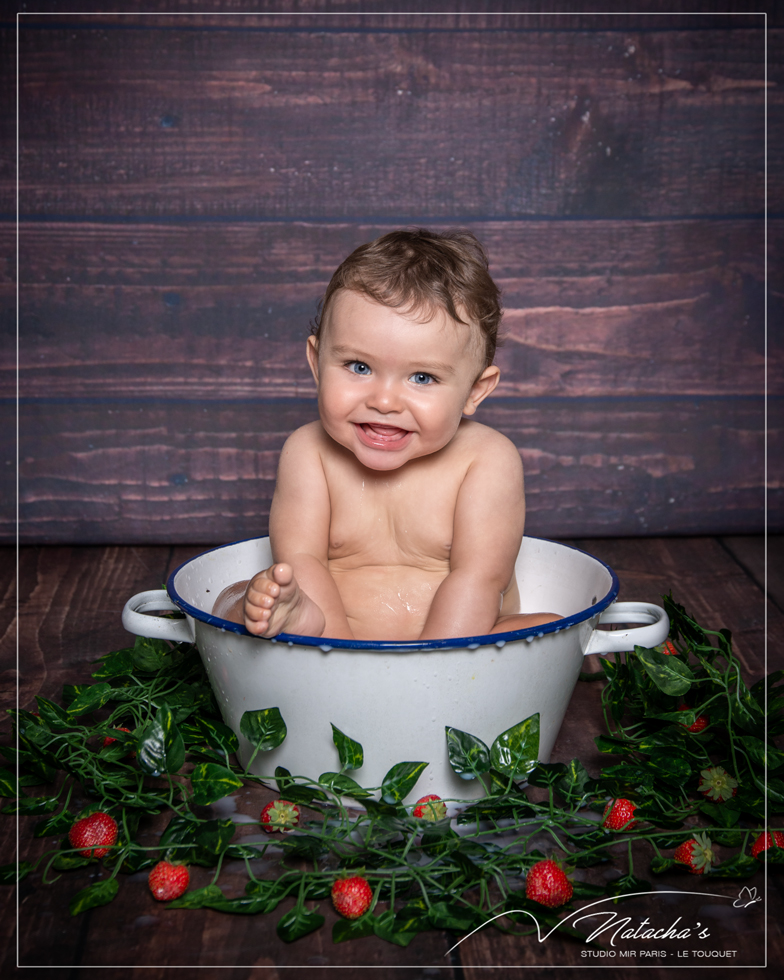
[{"x": 274, "y": 603}]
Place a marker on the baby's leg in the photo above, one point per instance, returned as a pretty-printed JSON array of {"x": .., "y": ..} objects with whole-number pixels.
[
  {"x": 521, "y": 621},
  {"x": 274, "y": 603},
  {"x": 271, "y": 603}
]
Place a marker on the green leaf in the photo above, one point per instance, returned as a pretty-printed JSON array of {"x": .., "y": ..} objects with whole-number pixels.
[
  {"x": 11, "y": 873},
  {"x": 741, "y": 866},
  {"x": 400, "y": 780},
  {"x": 302, "y": 846},
  {"x": 8, "y": 786},
  {"x": 264, "y": 728},
  {"x": 137, "y": 859},
  {"x": 33, "y": 805},
  {"x": 515, "y": 751},
  {"x": 546, "y": 773},
  {"x": 350, "y": 753},
  {"x": 212, "y": 838},
  {"x": 746, "y": 712},
  {"x": 343, "y": 785},
  {"x": 389, "y": 927},
  {"x": 574, "y": 785},
  {"x": 199, "y": 898},
  {"x": 454, "y": 917},
  {"x": 377, "y": 808},
  {"x": 148, "y": 654},
  {"x": 238, "y": 852},
  {"x": 211, "y": 731},
  {"x": 90, "y": 699},
  {"x": 764, "y": 755},
  {"x": 613, "y": 746},
  {"x": 51, "y": 713},
  {"x": 468, "y": 755},
  {"x": 68, "y": 860},
  {"x": 161, "y": 746},
  {"x": 100, "y": 893},
  {"x": 72, "y": 691},
  {"x": 583, "y": 889},
  {"x": 724, "y": 816},
  {"x": 120, "y": 663},
  {"x": 661, "y": 864},
  {"x": 775, "y": 790},
  {"x": 439, "y": 840},
  {"x": 303, "y": 793},
  {"x": 58, "y": 824},
  {"x": 345, "y": 929},
  {"x": 669, "y": 767},
  {"x": 669, "y": 674},
  {"x": 212, "y": 782},
  {"x": 298, "y": 922}
]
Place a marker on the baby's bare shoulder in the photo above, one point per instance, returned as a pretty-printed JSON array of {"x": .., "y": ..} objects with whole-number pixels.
[
  {"x": 485, "y": 445},
  {"x": 310, "y": 441}
]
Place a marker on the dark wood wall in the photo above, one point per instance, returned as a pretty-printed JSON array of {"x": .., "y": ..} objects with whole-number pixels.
[{"x": 188, "y": 184}]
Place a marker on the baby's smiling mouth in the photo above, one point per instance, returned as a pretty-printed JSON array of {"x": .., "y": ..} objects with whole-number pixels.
[{"x": 378, "y": 434}]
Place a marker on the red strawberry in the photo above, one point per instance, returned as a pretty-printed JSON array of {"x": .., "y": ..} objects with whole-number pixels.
[
  {"x": 717, "y": 784},
  {"x": 618, "y": 815},
  {"x": 547, "y": 884},
  {"x": 168, "y": 881},
  {"x": 94, "y": 835},
  {"x": 696, "y": 853},
  {"x": 351, "y": 896},
  {"x": 430, "y": 807},
  {"x": 767, "y": 840},
  {"x": 108, "y": 740},
  {"x": 700, "y": 722},
  {"x": 668, "y": 649},
  {"x": 279, "y": 815}
]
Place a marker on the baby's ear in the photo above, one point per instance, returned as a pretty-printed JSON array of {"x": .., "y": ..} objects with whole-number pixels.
[
  {"x": 312, "y": 355},
  {"x": 484, "y": 385}
]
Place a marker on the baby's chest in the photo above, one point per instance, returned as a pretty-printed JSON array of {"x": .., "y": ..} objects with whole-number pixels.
[{"x": 392, "y": 522}]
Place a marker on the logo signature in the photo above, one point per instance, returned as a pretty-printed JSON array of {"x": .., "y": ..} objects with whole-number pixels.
[{"x": 746, "y": 897}]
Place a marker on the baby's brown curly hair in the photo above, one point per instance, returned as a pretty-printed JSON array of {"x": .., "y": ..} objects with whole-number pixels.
[{"x": 419, "y": 272}]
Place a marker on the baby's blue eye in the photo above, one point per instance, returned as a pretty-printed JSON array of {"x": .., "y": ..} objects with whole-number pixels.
[
  {"x": 421, "y": 378},
  {"x": 358, "y": 367}
]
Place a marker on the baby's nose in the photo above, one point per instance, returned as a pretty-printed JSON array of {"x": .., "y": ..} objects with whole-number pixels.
[{"x": 386, "y": 396}]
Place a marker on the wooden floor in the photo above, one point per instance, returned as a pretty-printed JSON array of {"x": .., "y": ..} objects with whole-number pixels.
[{"x": 69, "y": 604}]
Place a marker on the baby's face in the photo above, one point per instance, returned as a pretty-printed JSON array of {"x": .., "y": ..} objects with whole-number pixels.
[{"x": 390, "y": 387}]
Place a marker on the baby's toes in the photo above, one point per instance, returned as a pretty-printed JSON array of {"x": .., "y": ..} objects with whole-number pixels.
[{"x": 282, "y": 573}]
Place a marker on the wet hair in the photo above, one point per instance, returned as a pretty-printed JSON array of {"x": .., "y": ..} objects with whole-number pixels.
[{"x": 419, "y": 272}]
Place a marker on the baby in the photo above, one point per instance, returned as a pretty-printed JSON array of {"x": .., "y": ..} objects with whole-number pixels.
[{"x": 396, "y": 517}]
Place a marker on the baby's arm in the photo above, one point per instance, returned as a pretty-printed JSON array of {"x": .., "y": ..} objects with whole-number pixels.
[
  {"x": 488, "y": 529},
  {"x": 299, "y": 535}
]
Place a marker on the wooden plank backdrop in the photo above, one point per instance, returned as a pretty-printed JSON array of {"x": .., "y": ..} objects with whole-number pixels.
[{"x": 187, "y": 185}]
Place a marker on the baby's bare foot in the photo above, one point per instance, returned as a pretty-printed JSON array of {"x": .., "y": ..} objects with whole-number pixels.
[{"x": 274, "y": 603}]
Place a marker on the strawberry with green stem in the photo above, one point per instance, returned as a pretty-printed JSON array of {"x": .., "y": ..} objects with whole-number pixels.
[
  {"x": 618, "y": 815},
  {"x": 168, "y": 881},
  {"x": 430, "y": 807},
  {"x": 94, "y": 835},
  {"x": 279, "y": 815},
  {"x": 547, "y": 884},
  {"x": 696, "y": 853},
  {"x": 717, "y": 784},
  {"x": 352, "y": 896},
  {"x": 766, "y": 841}
]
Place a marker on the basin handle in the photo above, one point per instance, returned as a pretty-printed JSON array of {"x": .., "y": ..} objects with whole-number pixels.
[
  {"x": 654, "y": 632},
  {"x": 155, "y": 627}
]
